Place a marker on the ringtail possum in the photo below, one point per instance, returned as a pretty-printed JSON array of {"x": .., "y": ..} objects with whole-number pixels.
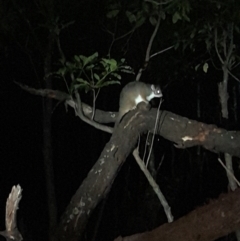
[{"x": 134, "y": 93}]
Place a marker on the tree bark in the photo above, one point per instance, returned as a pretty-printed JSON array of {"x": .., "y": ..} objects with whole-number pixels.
[
  {"x": 47, "y": 142},
  {"x": 124, "y": 138},
  {"x": 210, "y": 222}
]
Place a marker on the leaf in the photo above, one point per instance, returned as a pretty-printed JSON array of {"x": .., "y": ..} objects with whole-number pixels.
[
  {"x": 70, "y": 65},
  {"x": 91, "y": 66},
  {"x": 145, "y": 7},
  {"x": 62, "y": 61},
  {"x": 89, "y": 59},
  {"x": 113, "y": 13},
  {"x": 163, "y": 15},
  {"x": 131, "y": 17},
  {"x": 118, "y": 76},
  {"x": 111, "y": 82},
  {"x": 77, "y": 58},
  {"x": 140, "y": 21},
  {"x": 92, "y": 58},
  {"x": 96, "y": 76},
  {"x": 196, "y": 67},
  {"x": 186, "y": 17},
  {"x": 205, "y": 67},
  {"x": 113, "y": 65},
  {"x": 127, "y": 71},
  {"x": 62, "y": 71},
  {"x": 79, "y": 86},
  {"x": 176, "y": 17},
  {"x": 153, "y": 20},
  {"x": 80, "y": 80},
  {"x": 109, "y": 64}
]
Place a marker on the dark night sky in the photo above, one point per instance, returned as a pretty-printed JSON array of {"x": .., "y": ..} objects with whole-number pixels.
[{"x": 188, "y": 180}]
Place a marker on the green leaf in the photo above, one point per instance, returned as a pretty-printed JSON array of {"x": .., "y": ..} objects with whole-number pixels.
[
  {"x": 96, "y": 76},
  {"x": 192, "y": 35},
  {"x": 62, "y": 61},
  {"x": 176, "y": 17},
  {"x": 186, "y": 17},
  {"x": 109, "y": 64},
  {"x": 140, "y": 22},
  {"x": 113, "y": 13},
  {"x": 128, "y": 71},
  {"x": 89, "y": 59},
  {"x": 131, "y": 17},
  {"x": 113, "y": 65},
  {"x": 145, "y": 7},
  {"x": 80, "y": 80},
  {"x": 205, "y": 67},
  {"x": 163, "y": 15},
  {"x": 153, "y": 20},
  {"x": 91, "y": 66},
  {"x": 62, "y": 71},
  {"x": 196, "y": 67},
  {"x": 118, "y": 76},
  {"x": 110, "y": 82},
  {"x": 70, "y": 65},
  {"x": 104, "y": 62},
  {"x": 77, "y": 58},
  {"x": 79, "y": 86}
]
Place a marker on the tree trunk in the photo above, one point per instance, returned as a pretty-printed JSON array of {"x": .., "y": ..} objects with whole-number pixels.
[{"x": 47, "y": 142}]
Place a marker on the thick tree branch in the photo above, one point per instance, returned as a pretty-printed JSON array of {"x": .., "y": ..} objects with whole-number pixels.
[
  {"x": 180, "y": 130},
  {"x": 99, "y": 180},
  {"x": 101, "y": 176},
  {"x": 206, "y": 223}
]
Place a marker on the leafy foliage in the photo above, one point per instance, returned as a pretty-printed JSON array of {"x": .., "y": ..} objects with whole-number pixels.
[{"x": 92, "y": 72}]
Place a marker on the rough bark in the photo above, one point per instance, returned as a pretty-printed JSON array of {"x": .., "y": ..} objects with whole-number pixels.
[
  {"x": 47, "y": 141},
  {"x": 101, "y": 176},
  {"x": 210, "y": 222},
  {"x": 180, "y": 130}
]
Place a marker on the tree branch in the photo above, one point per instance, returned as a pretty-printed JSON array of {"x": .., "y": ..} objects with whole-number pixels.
[
  {"x": 180, "y": 130},
  {"x": 207, "y": 223}
]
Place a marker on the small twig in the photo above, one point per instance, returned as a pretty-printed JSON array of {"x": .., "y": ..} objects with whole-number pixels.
[
  {"x": 161, "y": 51},
  {"x": 145, "y": 148},
  {"x": 216, "y": 46},
  {"x": 94, "y": 102},
  {"x": 154, "y": 185},
  {"x": 160, "y": 163},
  {"x": 78, "y": 111},
  {"x": 118, "y": 38},
  {"x": 230, "y": 73},
  {"x": 224, "y": 42},
  {"x": 230, "y": 50},
  {"x": 155, "y": 129},
  {"x": 229, "y": 172},
  {"x": 147, "y": 57}
]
